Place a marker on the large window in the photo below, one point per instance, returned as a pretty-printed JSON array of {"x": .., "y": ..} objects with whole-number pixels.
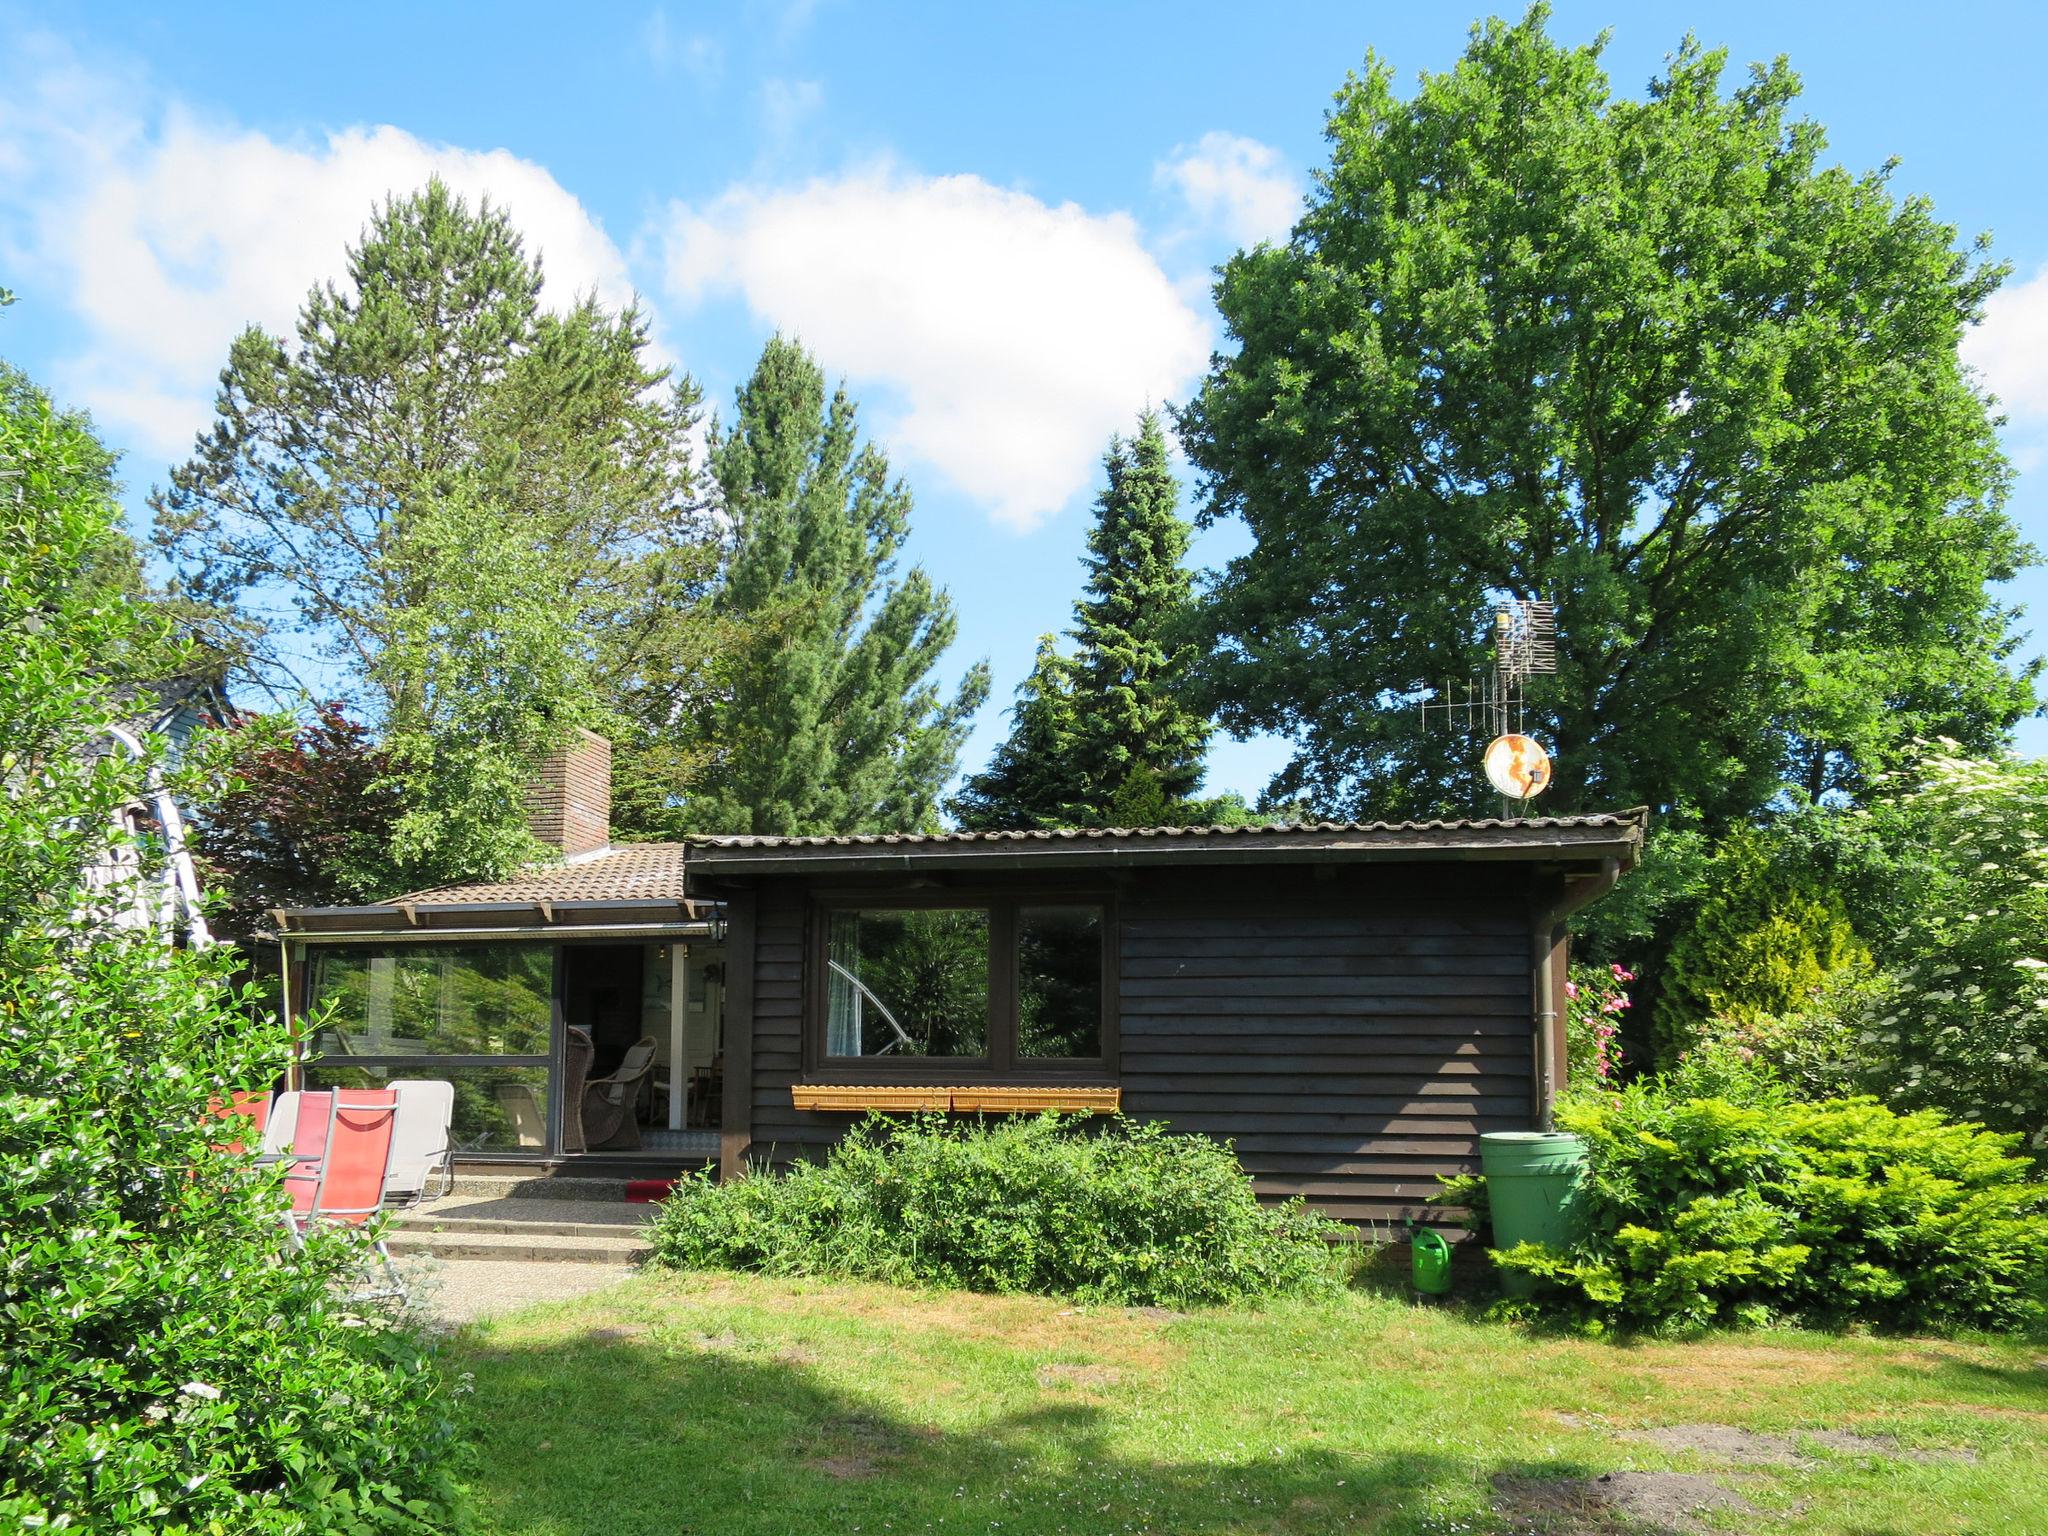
[
  {"x": 1007, "y": 984},
  {"x": 476, "y": 1015},
  {"x": 908, "y": 983}
]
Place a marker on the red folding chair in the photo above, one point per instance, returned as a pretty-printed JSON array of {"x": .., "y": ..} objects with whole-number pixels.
[
  {"x": 250, "y": 1106},
  {"x": 341, "y": 1152}
]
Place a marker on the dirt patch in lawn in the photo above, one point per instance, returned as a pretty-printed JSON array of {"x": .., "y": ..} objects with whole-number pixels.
[
  {"x": 1758, "y": 1447},
  {"x": 1762, "y": 1448},
  {"x": 1614, "y": 1504}
]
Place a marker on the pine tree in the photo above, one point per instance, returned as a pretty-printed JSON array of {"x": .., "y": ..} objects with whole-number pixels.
[
  {"x": 484, "y": 512},
  {"x": 830, "y": 720},
  {"x": 1105, "y": 734}
]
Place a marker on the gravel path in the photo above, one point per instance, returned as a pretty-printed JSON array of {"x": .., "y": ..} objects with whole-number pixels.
[{"x": 447, "y": 1293}]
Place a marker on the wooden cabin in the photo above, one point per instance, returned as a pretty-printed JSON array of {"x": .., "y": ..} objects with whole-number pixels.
[{"x": 1350, "y": 1006}]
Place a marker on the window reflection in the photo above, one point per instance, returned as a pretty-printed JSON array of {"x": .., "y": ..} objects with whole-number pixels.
[
  {"x": 1059, "y": 981},
  {"x": 907, "y": 983},
  {"x": 433, "y": 1000}
]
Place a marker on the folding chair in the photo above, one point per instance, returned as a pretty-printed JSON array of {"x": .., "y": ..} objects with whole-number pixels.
[
  {"x": 246, "y": 1105},
  {"x": 421, "y": 1151},
  {"x": 341, "y": 1154}
]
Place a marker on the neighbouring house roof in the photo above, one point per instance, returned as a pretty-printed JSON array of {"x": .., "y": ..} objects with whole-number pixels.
[
  {"x": 643, "y": 884},
  {"x": 1573, "y": 839},
  {"x": 634, "y": 886},
  {"x": 631, "y": 871}
]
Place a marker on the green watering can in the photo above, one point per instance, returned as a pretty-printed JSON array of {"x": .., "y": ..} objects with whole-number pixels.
[{"x": 1429, "y": 1259}]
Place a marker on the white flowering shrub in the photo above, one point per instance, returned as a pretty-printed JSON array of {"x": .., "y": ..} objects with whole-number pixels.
[{"x": 1960, "y": 1018}]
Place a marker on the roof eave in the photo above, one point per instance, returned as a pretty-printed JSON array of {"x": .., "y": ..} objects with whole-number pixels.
[
  {"x": 403, "y": 919},
  {"x": 1589, "y": 846}
]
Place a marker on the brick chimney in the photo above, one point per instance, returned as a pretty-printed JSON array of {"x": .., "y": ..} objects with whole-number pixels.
[{"x": 570, "y": 805}]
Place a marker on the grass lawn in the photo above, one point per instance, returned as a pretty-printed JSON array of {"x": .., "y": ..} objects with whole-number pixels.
[{"x": 674, "y": 1404}]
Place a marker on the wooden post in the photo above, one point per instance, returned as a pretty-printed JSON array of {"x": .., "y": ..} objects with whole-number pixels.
[
  {"x": 678, "y": 1034},
  {"x": 736, "y": 1027}
]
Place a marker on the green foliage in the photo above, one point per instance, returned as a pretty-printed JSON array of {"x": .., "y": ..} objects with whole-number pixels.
[
  {"x": 1762, "y": 943},
  {"x": 830, "y": 720},
  {"x": 1815, "y": 1051},
  {"x": 162, "y": 1369},
  {"x": 1106, "y": 737},
  {"x": 1656, "y": 360},
  {"x": 1033, "y": 778},
  {"x": 1596, "y": 1003},
  {"x": 1634, "y": 921},
  {"x": 1704, "y": 1211},
  {"x": 289, "y": 813},
  {"x": 1125, "y": 1214},
  {"x": 484, "y": 512},
  {"x": 1960, "y": 1020}
]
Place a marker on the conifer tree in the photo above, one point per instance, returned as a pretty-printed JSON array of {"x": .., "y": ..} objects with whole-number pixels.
[
  {"x": 484, "y": 512},
  {"x": 1129, "y": 664},
  {"x": 1030, "y": 779},
  {"x": 831, "y": 720},
  {"x": 1107, "y": 728},
  {"x": 1761, "y": 945}
]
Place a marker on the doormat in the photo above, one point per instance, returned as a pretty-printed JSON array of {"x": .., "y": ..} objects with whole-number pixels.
[{"x": 647, "y": 1191}]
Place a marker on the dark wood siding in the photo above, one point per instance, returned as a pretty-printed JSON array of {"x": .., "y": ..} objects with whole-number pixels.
[
  {"x": 782, "y": 1132},
  {"x": 1352, "y": 1045},
  {"x": 1352, "y": 1035}
]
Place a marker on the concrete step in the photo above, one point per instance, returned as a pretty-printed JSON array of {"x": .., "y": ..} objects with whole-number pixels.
[
  {"x": 503, "y": 1186},
  {"x": 568, "y": 1218},
  {"x": 538, "y": 1246},
  {"x": 494, "y": 1226}
]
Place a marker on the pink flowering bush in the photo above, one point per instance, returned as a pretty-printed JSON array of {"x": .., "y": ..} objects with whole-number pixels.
[{"x": 1596, "y": 999}]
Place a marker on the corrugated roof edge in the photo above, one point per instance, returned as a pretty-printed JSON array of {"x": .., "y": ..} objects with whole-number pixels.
[{"x": 1635, "y": 819}]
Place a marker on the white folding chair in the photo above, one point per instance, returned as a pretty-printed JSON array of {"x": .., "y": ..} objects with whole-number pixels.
[{"x": 421, "y": 1149}]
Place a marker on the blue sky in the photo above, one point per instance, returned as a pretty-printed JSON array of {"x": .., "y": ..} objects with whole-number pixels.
[{"x": 998, "y": 225}]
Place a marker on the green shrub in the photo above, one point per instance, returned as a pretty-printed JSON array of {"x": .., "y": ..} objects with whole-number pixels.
[
  {"x": 1701, "y": 1211},
  {"x": 1124, "y": 1213},
  {"x": 162, "y": 1369},
  {"x": 1762, "y": 944}
]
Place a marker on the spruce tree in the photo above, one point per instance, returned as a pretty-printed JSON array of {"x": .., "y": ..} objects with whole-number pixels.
[
  {"x": 1103, "y": 738},
  {"x": 1129, "y": 664},
  {"x": 830, "y": 720},
  {"x": 1030, "y": 779}
]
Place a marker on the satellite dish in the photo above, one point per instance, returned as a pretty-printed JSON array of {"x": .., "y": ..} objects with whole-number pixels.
[{"x": 1517, "y": 766}]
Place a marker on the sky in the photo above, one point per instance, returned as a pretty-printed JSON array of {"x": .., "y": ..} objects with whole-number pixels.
[{"x": 998, "y": 225}]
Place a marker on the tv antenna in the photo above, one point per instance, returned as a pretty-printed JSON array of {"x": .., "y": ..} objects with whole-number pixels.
[{"x": 1524, "y": 646}]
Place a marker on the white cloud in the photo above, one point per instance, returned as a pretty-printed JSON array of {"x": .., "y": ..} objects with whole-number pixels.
[
  {"x": 1235, "y": 185},
  {"x": 167, "y": 233},
  {"x": 2010, "y": 348},
  {"x": 1018, "y": 335}
]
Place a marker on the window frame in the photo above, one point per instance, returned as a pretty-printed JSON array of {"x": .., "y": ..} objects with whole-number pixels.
[{"x": 1001, "y": 1063}]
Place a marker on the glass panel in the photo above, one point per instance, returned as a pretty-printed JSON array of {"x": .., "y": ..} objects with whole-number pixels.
[
  {"x": 434, "y": 999},
  {"x": 497, "y": 1109},
  {"x": 907, "y": 983},
  {"x": 1059, "y": 981}
]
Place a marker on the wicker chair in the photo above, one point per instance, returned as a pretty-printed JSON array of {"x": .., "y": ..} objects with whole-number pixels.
[
  {"x": 575, "y": 1069},
  {"x": 610, "y": 1104}
]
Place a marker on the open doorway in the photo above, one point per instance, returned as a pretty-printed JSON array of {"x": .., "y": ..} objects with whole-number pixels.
[{"x": 643, "y": 1053}]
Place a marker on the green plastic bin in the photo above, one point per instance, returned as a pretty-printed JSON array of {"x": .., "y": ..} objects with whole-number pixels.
[{"x": 1532, "y": 1184}]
